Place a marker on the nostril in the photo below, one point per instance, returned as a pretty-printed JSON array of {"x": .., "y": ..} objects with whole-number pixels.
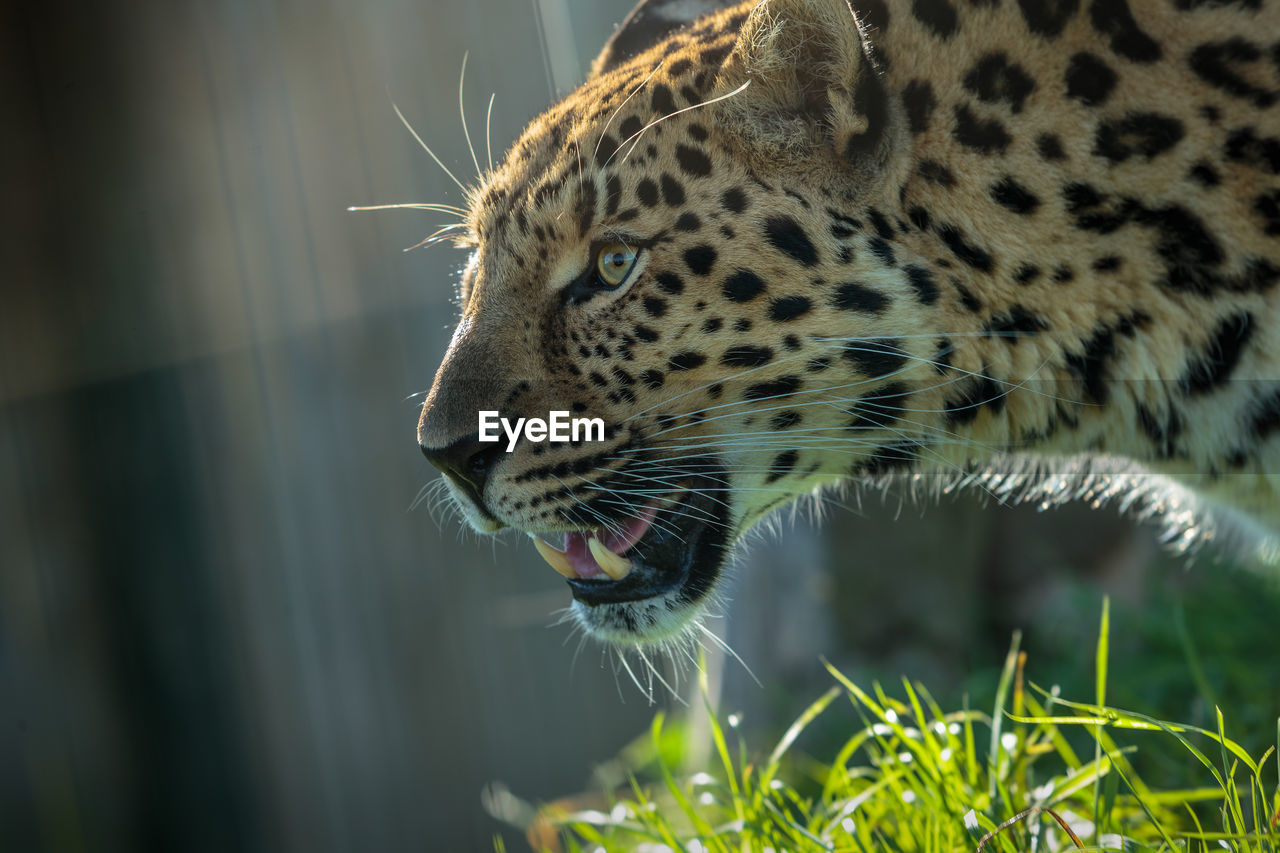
[
  {"x": 467, "y": 462},
  {"x": 482, "y": 462}
]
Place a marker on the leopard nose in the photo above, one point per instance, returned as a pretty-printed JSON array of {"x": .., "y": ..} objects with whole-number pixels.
[{"x": 467, "y": 462}]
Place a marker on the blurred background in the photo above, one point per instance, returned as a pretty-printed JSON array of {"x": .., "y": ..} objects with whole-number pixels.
[{"x": 223, "y": 624}]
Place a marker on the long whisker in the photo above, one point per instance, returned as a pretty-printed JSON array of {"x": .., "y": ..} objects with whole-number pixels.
[
  {"x": 636, "y": 136},
  {"x": 462, "y": 112},
  {"x": 438, "y": 208},
  {"x": 427, "y": 149},
  {"x": 488, "y": 116}
]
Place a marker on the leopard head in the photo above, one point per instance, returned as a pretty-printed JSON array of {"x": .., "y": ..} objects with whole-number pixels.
[{"x": 672, "y": 249}]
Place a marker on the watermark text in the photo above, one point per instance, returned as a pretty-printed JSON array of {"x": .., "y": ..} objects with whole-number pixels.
[{"x": 558, "y": 426}]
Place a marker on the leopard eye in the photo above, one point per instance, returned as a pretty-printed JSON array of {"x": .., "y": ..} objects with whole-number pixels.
[{"x": 614, "y": 263}]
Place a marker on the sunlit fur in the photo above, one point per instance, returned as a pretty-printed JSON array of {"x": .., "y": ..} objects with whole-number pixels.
[{"x": 892, "y": 328}]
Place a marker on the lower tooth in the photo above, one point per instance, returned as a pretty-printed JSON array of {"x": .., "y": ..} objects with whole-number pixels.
[
  {"x": 613, "y": 565},
  {"x": 555, "y": 558}
]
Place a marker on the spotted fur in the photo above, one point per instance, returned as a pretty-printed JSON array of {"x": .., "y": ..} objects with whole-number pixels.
[{"x": 1030, "y": 243}]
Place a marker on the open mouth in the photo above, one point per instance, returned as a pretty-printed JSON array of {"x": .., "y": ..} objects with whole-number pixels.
[{"x": 672, "y": 546}]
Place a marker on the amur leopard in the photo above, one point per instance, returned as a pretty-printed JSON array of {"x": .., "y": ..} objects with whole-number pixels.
[{"x": 1029, "y": 244}]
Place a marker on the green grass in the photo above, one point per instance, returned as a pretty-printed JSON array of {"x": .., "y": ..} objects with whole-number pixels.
[{"x": 1027, "y": 770}]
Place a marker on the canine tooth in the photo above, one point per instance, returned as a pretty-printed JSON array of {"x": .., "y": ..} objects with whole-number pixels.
[
  {"x": 554, "y": 557},
  {"x": 613, "y": 565}
]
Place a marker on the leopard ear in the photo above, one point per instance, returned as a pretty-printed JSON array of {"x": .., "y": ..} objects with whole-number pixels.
[
  {"x": 648, "y": 23},
  {"x": 811, "y": 81}
]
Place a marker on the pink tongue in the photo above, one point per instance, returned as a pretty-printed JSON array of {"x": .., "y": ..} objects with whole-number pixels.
[{"x": 618, "y": 541}]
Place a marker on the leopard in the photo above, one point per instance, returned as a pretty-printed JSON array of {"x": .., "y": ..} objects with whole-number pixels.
[{"x": 786, "y": 247}]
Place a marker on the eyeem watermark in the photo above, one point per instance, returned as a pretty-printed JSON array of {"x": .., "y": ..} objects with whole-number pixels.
[{"x": 557, "y": 427}]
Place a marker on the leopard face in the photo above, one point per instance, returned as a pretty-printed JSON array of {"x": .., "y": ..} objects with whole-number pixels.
[{"x": 766, "y": 265}]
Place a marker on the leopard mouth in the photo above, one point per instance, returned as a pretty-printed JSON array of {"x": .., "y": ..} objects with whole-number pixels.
[{"x": 671, "y": 548}]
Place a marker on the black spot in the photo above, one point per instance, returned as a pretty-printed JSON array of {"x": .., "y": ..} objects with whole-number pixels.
[
  {"x": 851, "y": 296},
  {"x": 936, "y": 173},
  {"x": 1050, "y": 147},
  {"x": 687, "y": 360},
  {"x": 670, "y": 283},
  {"x": 1147, "y": 134},
  {"x": 1107, "y": 263},
  {"x": 655, "y": 307},
  {"x": 1213, "y": 63},
  {"x": 880, "y": 408},
  {"x": 937, "y": 15},
  {"x": 698, "y": 132},
  {"x": 922, "y": 280},
  {"x": 1087, "y": 205},
  {"x": 782, "y": 465},
  {"x": 653, "y": 378},
  {"x": 612, "y": 195},
  {"x": 630, "y": 126},
  {"x": 712, "y": 324},
  {"x": 1089, "y": 79},
  {"x": 1017, "y": 322},
  {"x": 1064, "y": 274},
  {"x": 974, "y": 256},
  {"x": 734, "y": 200},
  {"x": 882, "y": 226},
  {"x": 1093, "y": 362},
  {"x": 646, "y": 334},
  {"x": 783, "y": 386},
  {"x": 919, "y": 217},
  {"x": 746, "y": 356},
  {"x": 967, "y": 299},
  {"x": 604, "y": 150},
  {"x": 742, "y": 286},
  {"x": 1184, "y": 242},
  {"x": 976, "y": 393},
  {"x": 791, "y": 342},
  {"x": 1014, "y": 196},
  {"x": 700, "y": 259},
  {"x": 788, "y": 308},
  {"x": 688, "y": 222},
  {"x": 1244, "y": 146},
  {"x": 1113, "y": 19},
  {"x": 1163, "y": 431},
  {"x": 663, "y": 102},
  {"x": 987, "y": 136},
  {"x": 647, "y": 192},
  {"x": 1267, "y": 206},
  {"x": 887, "y": 459},
  {"x": 1204, "y": 175},
  {"x": 692, "y": 161},
  {"x": 871, "y": 101},
  {"x": 680, "y": 67},
  {"x": 1048, "y": 17},
  {"x": 1265, "y": 418},
  {"x": 672, "y": 191},
  {"x": 742, "y": 324},
  {"x": 883, "y": 251},
  {"x": 784, "y": 420},
  {"x": 919, "y": 102},
  {"x": 714, "y": 55},
  {"x": 875, "y": 356},
  {"x": 788, "y": 237},
  {"x": 587, "y": 197},
  {"x": 1218, "y": 360},
  {"x": 994, "y": 78},
  {"x": 1026, "y": 274},
  {"x": 817, "y": 365}
]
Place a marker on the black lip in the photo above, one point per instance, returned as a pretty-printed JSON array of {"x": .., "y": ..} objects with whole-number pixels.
[{"x": 682, "y": 552}]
